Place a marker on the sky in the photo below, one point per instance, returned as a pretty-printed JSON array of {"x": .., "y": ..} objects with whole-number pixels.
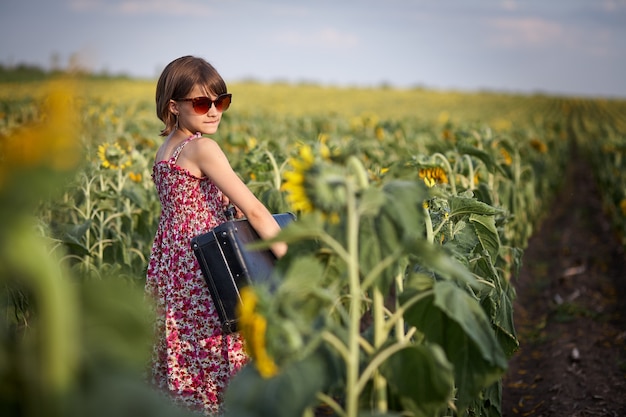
[{"x": 562, "y": 47}]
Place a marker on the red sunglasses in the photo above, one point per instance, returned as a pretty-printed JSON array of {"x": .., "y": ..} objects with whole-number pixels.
[{"x": 201, "y": 105}]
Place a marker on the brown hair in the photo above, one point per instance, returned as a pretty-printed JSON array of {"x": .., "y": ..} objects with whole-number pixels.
[{"x": 180, "y": 77}]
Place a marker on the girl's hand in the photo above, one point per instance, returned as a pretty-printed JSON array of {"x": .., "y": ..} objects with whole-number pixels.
[{"x": 238, "y": 214}]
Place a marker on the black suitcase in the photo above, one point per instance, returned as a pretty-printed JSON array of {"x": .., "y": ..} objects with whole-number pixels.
[{"x": 228, "y": 266}]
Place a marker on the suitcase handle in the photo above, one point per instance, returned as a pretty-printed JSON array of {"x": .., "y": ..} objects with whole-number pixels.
[{"x": 230, "y": 212}]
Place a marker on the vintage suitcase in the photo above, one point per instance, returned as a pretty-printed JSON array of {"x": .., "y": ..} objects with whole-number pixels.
[{"x": 228, "y": 266}]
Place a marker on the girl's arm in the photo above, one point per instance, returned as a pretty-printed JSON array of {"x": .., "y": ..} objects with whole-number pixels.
[{"x": 212, "y": 161}]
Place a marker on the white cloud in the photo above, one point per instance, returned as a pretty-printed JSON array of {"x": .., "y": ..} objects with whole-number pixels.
[
  {"x": 326, "y": 38},
  {"x": 524, "y": 32},
  {"x": 536, "y": 33},
  {"x": 613, "y": 5}
]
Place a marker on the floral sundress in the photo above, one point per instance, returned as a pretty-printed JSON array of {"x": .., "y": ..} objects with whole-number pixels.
[{"x": 192, "y": 360}]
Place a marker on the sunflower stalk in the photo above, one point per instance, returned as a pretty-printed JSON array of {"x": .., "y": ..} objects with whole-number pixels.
[
  {"x": 399, "y": 323},
  {"x": 352, "y": 363},
  {"x": 380, "y": 336},
  {"x": 470, "y": 168},
  {"x": 275, "y": 170},
  {"x": 430, "y": 234}
]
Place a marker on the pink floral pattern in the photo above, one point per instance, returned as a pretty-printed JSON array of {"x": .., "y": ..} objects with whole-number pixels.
[{"x": 192, "y": 360}]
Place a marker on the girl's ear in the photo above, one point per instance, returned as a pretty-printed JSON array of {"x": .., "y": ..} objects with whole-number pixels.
[{"x": 173, "y": 106}]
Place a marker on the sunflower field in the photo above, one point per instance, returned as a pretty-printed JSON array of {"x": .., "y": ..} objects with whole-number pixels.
[{"x": 395, "y": 298}]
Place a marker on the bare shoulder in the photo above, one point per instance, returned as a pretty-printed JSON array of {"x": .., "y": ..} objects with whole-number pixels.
[
  {"x": 204, "y": 143},
  {"x": 205, "y": 148}
]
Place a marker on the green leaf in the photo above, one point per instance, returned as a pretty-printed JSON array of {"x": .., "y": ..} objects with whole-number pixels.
[
  {"x": 489, "y": 404},
  {"x": 422, "y": 377},
  {"x": 404, "y": 206},
  {"x": 499, "y": 306},
  {"x": 454, "y": 320},
  {"x": 302, "y": 294},
  {"x": 487, "y": 234},
  {"x": 371, "y": 252},
  {"x": 136, "y": 194},
  {"x": 274, "y": 200},
  {"x": 435, "y": 258},
  {"x": 484, "y": 193},
  {"x": 287, "y": 394},
  {"x": 490, "y": 163},
  {"x": 463, "y": 206},
  {"x": 371, "y": 200},
  {"x": 72, "y": 235},
  {"x": 463, "y": 242}
]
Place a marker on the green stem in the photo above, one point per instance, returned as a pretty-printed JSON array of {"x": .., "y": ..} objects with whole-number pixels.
[
  {"x": 335, "y": 342},
  {"x": 399, "y": 288},
  {"x": 331, "y": 403},
  {"x": 380, "y": 336},
  {"x": 448, "y": 167},
  {"x": 399, "y": 313},
  {"x": 376, "y": 362},
  {"x": 352, "y": 364},
  {"x": 276, "y": 171},
  {"x": 438, "y": 229},
  {"x": 380, "y": 267},
  {"x": 471, "y": 171},
  {"x": 87, "y": 217},
  {"x": 430, "y": 236},
  {"x": 359, "y": 170}
]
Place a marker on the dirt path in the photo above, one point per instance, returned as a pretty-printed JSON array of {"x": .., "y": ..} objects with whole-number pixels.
[{"x": 570, "y": 312}]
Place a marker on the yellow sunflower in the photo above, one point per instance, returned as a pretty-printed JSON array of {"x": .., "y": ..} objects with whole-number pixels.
[
  {"x": 112, "y": 156},
  {"x": 295, "y": 180},
  {"x": 253, "y": 327},
  {"x": 434, "y": 175},
  {"x": 324, "y": 150},
  {"x": 135, "y": 176},
  {"x": 507, "y": 156}
]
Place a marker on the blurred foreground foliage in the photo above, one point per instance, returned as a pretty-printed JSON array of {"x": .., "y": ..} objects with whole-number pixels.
[{"x": 70, "y": 345}]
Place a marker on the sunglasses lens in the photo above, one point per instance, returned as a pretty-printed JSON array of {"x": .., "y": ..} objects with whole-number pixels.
[
  {"x": 222, "y": 103},
  {"x": 201, "y": 105}
]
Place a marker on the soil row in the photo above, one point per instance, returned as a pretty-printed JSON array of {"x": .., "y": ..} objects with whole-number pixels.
[{"x": 570, "y": 311}]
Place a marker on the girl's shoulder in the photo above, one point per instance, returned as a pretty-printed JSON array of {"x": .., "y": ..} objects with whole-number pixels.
[
  {"x": 203, "y": 141},
  {"x": 203, "y": 144}
]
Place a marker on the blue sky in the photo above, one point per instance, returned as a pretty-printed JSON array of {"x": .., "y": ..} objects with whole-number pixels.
[{"x": 573, "y": 47}]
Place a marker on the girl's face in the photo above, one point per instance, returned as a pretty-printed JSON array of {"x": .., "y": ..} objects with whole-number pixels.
[{"x": 200, "y": 111}]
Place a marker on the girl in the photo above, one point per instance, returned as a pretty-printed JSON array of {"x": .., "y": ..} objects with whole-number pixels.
[{"x": 192, "y": 359}]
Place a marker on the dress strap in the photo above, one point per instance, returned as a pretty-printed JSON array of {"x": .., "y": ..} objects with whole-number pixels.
[{"x": 180, "y": 147}]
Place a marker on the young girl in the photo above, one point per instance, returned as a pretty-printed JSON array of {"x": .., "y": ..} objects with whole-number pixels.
[{"x": 192, "y": 359}]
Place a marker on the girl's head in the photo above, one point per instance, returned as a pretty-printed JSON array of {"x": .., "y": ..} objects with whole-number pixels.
[{"x": 179, "y": 78}]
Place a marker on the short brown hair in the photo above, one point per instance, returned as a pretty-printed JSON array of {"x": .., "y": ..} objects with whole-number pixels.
[{"x": 178, "y": 78}]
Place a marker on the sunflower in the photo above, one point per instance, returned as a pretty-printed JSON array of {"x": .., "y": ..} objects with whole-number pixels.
[
  {"x": 135, "y": 176},
  {"x": 253, "y": 327},
  {"x": 507, "y": 156},
  {"x": 433, "y": 175},
  {"x": 53, "y": 142},
  {"x": 251, "y": 143},
  {"x": 295, "y": 181},
  {"x": 112, "y": 156},
  {"x": 324, "y": 149},
  {"x": 539, "y": 146}
]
